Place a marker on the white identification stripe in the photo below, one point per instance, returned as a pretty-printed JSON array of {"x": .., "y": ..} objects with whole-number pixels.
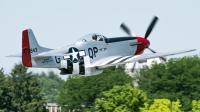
[
  {"x": 87, "y": 61},
  {"x": 109, "y": 60},
  {"x": 82, "y": 53},
  {"x": 63, "y": 64},
  {"x": 119, "y": 60},
  {"x": 75, "y": 68}
]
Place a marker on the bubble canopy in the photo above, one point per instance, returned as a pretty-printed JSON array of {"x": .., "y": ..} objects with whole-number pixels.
[{"x": 89, "y": 37}]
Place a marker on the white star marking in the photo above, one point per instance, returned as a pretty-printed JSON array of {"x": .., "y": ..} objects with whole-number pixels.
[{"x": 74, "y": 54}]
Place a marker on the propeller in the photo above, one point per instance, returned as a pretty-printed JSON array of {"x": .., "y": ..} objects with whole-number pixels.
[
  {"x": 150, "y": 28},
  {"x": 126, "y": 29},
  {"x": 133, "y": 69},
  {"x": 162, "y": 58}
]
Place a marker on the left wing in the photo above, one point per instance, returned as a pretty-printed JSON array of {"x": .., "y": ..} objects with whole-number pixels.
[{"x": 127, "y": 59}]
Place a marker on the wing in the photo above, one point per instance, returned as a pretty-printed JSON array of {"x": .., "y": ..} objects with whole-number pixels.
[
  {"x": 19, "y": 55},
  {"x": 127, "y": 59},
  {"x": 41, "y": 55}
]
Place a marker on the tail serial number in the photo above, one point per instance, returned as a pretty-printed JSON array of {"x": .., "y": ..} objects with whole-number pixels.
[{"x": 31, "y": 50}]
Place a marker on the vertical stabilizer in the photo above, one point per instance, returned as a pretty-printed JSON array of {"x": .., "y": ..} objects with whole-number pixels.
[{"x": 30, "y": 47}]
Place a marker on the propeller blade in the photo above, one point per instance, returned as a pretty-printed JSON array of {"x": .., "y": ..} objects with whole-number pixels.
[
  {"x": 133, "y": 67},
  {"x": 127, "y": 30},
  {"x": 152, "y": 50},
  {"x": 162, "y": 58},
  {"x": 151, "y": 26}
]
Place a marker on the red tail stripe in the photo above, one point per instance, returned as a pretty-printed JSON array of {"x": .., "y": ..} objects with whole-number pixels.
[{"x": 26, "y": 56}]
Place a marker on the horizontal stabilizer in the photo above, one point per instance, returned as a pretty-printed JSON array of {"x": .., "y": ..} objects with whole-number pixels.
[
  {"x": 19, "y": 55},
  {"x": 42, "y": 55}
]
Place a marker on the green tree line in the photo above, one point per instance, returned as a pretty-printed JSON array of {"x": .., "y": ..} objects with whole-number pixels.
[
  {"x": 23, "y": 91},
  {"x": 170, "y": 87},
  {"x": 20, "y": 92},
  {"x": 179, "y": 78}
]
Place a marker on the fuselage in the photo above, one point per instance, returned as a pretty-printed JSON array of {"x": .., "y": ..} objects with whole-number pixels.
[{"x": 97, "y": 51}]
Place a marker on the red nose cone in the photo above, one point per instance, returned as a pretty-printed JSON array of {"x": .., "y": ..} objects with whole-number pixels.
[{"x": 141, "y": 47}]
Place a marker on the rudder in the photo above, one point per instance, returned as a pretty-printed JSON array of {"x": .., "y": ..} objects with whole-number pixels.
[{"x": 30, "y": 47}]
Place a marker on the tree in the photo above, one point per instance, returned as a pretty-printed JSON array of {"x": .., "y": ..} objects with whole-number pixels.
[
  {"x": 3, "y": 91},
  {"x": 177, "y": 79},
  {"x": 121, "y": 99},
  {"x": 196, "y": 106},
  {"x": 24, "y": 91},
  {"x": 162, "y": 105},
  {"x": 80, "y": 92},
  {"x": 50, "y": 84},
  {"x": 2, "y": 87}
]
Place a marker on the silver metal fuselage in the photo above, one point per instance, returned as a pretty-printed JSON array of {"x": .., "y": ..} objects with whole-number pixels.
[{"x": 96, "y": 50}]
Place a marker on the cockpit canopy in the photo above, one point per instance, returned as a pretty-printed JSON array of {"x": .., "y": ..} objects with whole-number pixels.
[
  {"x": 95, "y": 37},
  {"x": 91, "y": 37}
]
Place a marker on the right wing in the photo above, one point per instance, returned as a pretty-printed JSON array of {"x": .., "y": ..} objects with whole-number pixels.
[{"x": 128, "y": 59}]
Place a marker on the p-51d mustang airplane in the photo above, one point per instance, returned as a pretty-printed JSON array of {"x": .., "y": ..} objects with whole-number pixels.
[{"x": 91, "y": 53}]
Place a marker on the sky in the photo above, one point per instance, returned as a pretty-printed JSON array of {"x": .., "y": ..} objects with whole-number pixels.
[{"x": 62, "y": 22}]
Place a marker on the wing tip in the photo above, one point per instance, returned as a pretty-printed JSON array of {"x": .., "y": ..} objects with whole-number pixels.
[
  {"x": 19, "y": 55},
  {"x": 190, "y": 50}
]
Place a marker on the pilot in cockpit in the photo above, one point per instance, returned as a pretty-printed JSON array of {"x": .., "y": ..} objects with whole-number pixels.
[{"x": 94, "y": 37}]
